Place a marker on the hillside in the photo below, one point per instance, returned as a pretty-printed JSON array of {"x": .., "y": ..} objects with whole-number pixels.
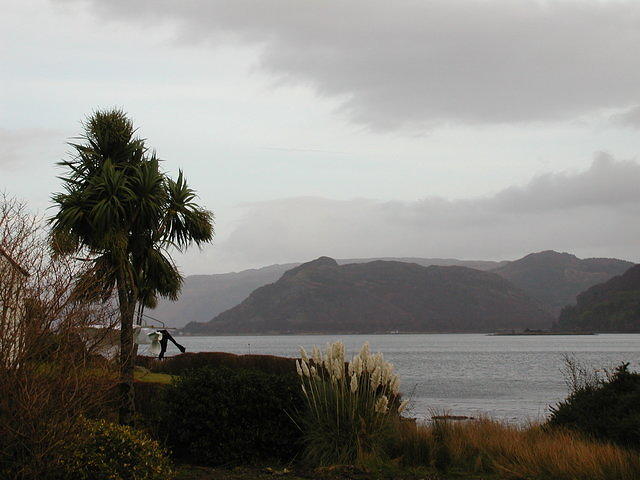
[
  {"x": 380, "y": 296},
  {"x": 556, "y": 279},
  {"x": 205, "y": 296},
  {"x": 613, "y": 306}
]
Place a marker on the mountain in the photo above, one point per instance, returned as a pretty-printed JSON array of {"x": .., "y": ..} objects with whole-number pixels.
[
  {"x": 556, "y": 279},
  {"x": 612, "y": 306},
  {"x": 323, "y": 296},
  {"x": 205, "y": 296}
]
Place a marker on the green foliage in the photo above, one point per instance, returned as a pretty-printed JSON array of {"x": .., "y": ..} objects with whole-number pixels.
[
  {"x": 122, "y": 210},
  {"x": 222, "y": 416},
  {"x": 608, "y": 409},
  {"x": 124, "y": 214},
  {"x": 106, "y": 451}
]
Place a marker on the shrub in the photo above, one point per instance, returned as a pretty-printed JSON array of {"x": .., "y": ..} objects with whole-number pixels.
[
  {"x": 107, "y": 451},
  {"x": 608, "y": 409},
  {"x": 179, "y": 364},
  {"x": 352, "y": 412},
  {"x": 50, "y": 375},
  {"x": 222, "y": 416},
  {"x": 151, "y": 408}
]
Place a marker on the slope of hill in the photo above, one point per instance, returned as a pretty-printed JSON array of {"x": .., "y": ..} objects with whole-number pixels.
[
  {"x": 380, "y": 296},
  {"x": 556, "y": 279},
  {"x": 205, "y": 296},
  {"x": 613, "y": 306}
]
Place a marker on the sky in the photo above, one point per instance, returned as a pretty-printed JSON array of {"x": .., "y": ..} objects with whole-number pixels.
[{"x": 471, "y": 129}]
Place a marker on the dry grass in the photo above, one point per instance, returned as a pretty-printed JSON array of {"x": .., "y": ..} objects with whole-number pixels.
[{"x": 531, "y": 452}]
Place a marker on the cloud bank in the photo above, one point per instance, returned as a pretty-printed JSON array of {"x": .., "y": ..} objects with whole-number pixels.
[
  {"x": 417, "y": 64},
  {"x": 18, "y": 146},
  {"x": 590, "y": 213}
]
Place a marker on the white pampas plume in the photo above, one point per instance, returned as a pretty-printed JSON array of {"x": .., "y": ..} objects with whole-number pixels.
[
  {"x": 303, "y": 354},
  {"x": 403, "y": 405},
  {"x": 352, "y": 364},
  {"x": 354, "y": 383},
  {"x": 375, "y": 378},
  {"x": 365, "y": 350},
  {"x": 317, "y": 355},
  {"x": 339, "y": 351},
  {"x": 382, "y": 404},
  {"x": 314, "y": 372},
  {"x": 359, "y": 367},
  {"x": 298, "y": 367},
  {"x": 305, "y": 369},
  {"x": 372, "y": 362},
  {"x": 355, "y": 366},
  {"x": 338, "y": 369},
  {"x": 395, "y": 385},
  {"x": 378, "y": 360},
  {"x": 365, "y": 354},
  {"x": 385, "y": 374}
]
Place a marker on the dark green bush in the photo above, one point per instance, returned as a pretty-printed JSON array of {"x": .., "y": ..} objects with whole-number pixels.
[
  {"x": 225, "y": 416},
  {"x": 151, "y": 408},
  {"x": 178, "y": 364},
  {"x": 107, "y": 451},
  {"x": 607, "y": 410}
]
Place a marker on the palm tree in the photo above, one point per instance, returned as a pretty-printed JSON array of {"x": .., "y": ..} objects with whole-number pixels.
[{"x": 122, "y": 213}]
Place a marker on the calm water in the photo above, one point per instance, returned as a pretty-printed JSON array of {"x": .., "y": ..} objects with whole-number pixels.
[{"x": 512, "y": 378}]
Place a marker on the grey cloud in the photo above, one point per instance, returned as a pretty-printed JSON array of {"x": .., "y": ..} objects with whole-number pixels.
[
  {"x": 628, "y": 118},
  {"x": 592, "y": 213},
  {"x": 418, "y": 64},
  {"x": 608, "y": 183},
  {"x": 19, "y": 145}
]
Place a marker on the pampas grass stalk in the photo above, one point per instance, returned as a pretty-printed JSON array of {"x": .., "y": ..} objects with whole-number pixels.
[{"x": 352, "y": 409}]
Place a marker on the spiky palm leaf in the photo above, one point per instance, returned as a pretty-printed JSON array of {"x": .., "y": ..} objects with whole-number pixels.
[{"x": 122, "y": 212}]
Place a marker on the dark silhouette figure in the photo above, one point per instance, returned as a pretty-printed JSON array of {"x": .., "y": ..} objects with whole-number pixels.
[{"x": 166, "y": 336}]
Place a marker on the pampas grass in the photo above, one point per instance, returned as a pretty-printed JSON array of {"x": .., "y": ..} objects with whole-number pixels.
[{"x": 352, "y": 409}]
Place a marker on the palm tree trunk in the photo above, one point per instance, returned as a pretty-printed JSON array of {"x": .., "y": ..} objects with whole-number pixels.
[{"x": 127, "y": 359}]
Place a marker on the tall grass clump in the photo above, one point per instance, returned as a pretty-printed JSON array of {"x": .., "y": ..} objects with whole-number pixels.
[
  {"x": 531, "y": 452},
  {"x": 352, "y": 409}
]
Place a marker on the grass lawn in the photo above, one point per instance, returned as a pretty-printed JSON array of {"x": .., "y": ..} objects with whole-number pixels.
[{"x": 141, "y": 374}]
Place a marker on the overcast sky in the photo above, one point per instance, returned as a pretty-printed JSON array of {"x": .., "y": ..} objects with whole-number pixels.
[{"x": 444, "y": 128}]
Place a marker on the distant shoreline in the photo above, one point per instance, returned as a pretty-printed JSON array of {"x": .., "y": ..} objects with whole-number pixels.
[
  {"x": 511, "y": 334},
  {"x": 278, "y": 334},
  {"x": 496, "y": 334}
]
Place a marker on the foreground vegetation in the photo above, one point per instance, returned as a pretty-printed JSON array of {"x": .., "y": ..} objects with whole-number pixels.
[
  {"x": 402, "y": 449},
  {"x": 122, "y": 213},
  {"x": 219, "y": 415},
  {"x": 472, "y": 450},
  {"x": 532, "y": 452}
]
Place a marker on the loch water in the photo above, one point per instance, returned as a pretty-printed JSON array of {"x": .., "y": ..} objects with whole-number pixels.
[{"x": 511, "y": 378}]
